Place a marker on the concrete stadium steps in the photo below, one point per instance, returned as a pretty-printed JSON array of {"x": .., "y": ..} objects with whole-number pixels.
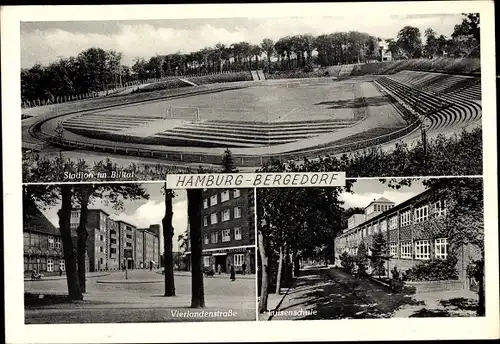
[
  {"x": 454, "y": 115},
  {"x": 241, "y": 134},
  {"x": 255, "y": 76},
  {"x": 419, "y": 100},
  {"x": 260, "y": 74}
]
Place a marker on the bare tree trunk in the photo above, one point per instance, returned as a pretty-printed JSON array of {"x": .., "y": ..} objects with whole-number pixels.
[
  {"x": 167, "y": 242},
  {"x": 296, "y": 265},
  {"x": 280, "y": 266},
  {"x": 481, "y": 306},
  {"x": 286, "y": 272},
  {"x": 195, "y": 200},
  {"x": 82, "y": 235},
  {"x": 64, "y": 214},
  {"x": 265, "y": 270}
]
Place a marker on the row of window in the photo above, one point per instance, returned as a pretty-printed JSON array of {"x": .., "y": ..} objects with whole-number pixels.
[
  {"x": 224, "y": 196},
  {"x": 226, "y": 236},
  {"x": 224, "y": 216},
  {"x": 43, "y": 264},
  {"x": 238, "y": 260},
  {"x": 41, "y": 241},
  {"x": 422, "y": 249},
  {"x": 382, "y": 207},
  {"x": 420, "y": 214}
]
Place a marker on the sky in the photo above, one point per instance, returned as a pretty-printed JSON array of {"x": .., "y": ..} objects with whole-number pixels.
[
  {"x": 367, "y": 190},
  {"x": 45, "y": 42}
]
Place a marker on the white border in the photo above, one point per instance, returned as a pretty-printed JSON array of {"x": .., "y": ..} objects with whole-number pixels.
[{"x": 347, "y": 330}]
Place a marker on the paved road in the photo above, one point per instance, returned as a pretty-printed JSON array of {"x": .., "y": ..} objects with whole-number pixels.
[
  {"x": 324, "y": 293},
  {"x": 144, "y": 302}
]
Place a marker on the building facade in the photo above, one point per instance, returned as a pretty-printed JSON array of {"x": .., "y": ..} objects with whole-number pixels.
[
  {"x": 113, "y": 249},
  {"x": 126, "y": 245},
  {"x": 97, "y": 240},
  {"x": 42, "y": 245},
  {"x": 228, "y": 229},
  {"x": 147, "y": 247},
  {"x": 405, "y": 229}
]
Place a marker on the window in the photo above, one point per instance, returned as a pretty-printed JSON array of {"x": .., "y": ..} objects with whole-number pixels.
[
  {"x": 50, "y": 265},
  {"x": 421, "y": 213},
  {"x": 393, "y": 249},
  {"x": 370, "y": 230},
  {"x": 237, "y": 212},
  {"x": 26, "y": 237},
  {"x": 214, "y": 238},
  {"x": 206, "y": 239},
  {"x": 205, "y": 221},
  {"x": 101, "y": 237},
  {"x": 239, "y": 259},
  {"x": 422, "y": 249},
  {"x": 51, "y": 241},
  {"x": 375, "y": 228},
  {"x": 405, "y": 218},
  {"x": 213, "y": 200},
  {"x": 441, "y": 248},
  {"x": 58, "y": 242},
  {"x": 364, "y": 232},
  {"x": 205, "y": 203},
  {"x": 393, "y": 223},
  {"x": 237, "y": 234},
  {"x": 101, "y": 249},
  {"x": 102, "y": 261},
  {"x": 206, "y": 261},
  {"x": 406, "y": 249},
  {"x": 236, "y": 193},
  {"x": 226, "y": 235},
  {"x": 225, "y": 215},
  {"x": 213, "y": 218},
  {"x": 439, "y": 208},
  {"x": 383, "y": 226},
  {"x": 224, "y": 196},
  {"x": 129, "y": 244},
  {"x": 62, "y": 265}
]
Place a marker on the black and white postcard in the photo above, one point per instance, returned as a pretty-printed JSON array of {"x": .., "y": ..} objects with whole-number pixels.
[{"x": 212, "y": 172}]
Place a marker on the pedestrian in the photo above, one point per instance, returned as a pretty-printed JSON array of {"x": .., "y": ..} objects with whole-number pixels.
[
  {"x": 60, "y": 272},
  {"x": 233, "y": 274},
  {"x": 219, "y": 268},
  {"x": 244, "y": 268}
]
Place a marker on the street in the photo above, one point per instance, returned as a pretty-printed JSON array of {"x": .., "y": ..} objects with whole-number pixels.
[
  {"x": 330, "y": 293},
  {"x": 140, "y": 299}
]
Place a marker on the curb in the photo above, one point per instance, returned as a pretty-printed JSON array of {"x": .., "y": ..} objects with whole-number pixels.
[
  {"x": 127, "y": 282},
  {"x": 270, "y": 317}
]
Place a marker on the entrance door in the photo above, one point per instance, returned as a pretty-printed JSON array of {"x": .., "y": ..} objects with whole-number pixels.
[
  {"x": 221, "y": 260},
  {"x": 130, "y": 264}
]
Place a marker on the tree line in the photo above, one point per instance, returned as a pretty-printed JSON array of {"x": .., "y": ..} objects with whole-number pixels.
[{"x": 96, "y": 69}]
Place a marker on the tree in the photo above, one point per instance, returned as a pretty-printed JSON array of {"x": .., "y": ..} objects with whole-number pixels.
[
  {"x": 195, "y": 200},
  {"x": 379, "y": 254},
  {"x": 470, "y": 26},
  {"x": 168, "y": 233},
  {"x": 228, "y": 162},
  {"x": 431, "y": 45},
  {"x": 410, "y": 42},
  {"x": 267, "y": 46},
  {"x": 362, "y": 258}
]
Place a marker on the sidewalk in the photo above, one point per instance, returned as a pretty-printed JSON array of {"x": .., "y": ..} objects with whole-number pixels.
[
  {"x": 222, "y": 275},
  {"x": 27, "y": 277}
]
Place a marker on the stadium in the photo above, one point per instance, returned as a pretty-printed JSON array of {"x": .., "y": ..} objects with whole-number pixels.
[{"x": 194, "y": 119}]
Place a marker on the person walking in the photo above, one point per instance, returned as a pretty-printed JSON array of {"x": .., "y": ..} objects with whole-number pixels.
[
  {"x": 244, "y": 268},
  {"x": 60, "y": 272},
  {"x": 219, "y": 268},
  {"x": 232, "y": 276}
]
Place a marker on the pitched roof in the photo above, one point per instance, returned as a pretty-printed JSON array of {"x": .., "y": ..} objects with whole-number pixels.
[
  {"x": 35, "y": 221},
  {"x": 383, "y": 200}
]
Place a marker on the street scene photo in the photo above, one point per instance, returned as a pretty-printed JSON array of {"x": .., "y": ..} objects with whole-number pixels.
[
  {"x": 401, "y": 90},
  {"x": 136, "y": 253},
  {"x": 376, "y": 248}
]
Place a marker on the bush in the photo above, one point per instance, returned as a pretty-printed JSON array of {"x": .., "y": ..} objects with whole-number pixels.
[
  {"x": 347, "y": 262},
  {"x": 433, "y": 270}
]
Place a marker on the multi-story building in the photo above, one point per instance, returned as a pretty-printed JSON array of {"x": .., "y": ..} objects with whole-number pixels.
[
  {"x": 114, "y": 241},
  {"x": 384, "y": 52},
  {"x": 126, "y": 233},
  {"x": 404, "y": 226},
  {"x": 42, "y": 245},
  {"x": 97, "y": 240},
  {"x": 147, "y": 247},
  {"x": 139, "y": 248},
  {"x": 228, "y": 230}
]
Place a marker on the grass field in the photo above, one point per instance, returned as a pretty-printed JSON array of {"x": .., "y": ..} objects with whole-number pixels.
[{"x": 259, "y": 103}]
